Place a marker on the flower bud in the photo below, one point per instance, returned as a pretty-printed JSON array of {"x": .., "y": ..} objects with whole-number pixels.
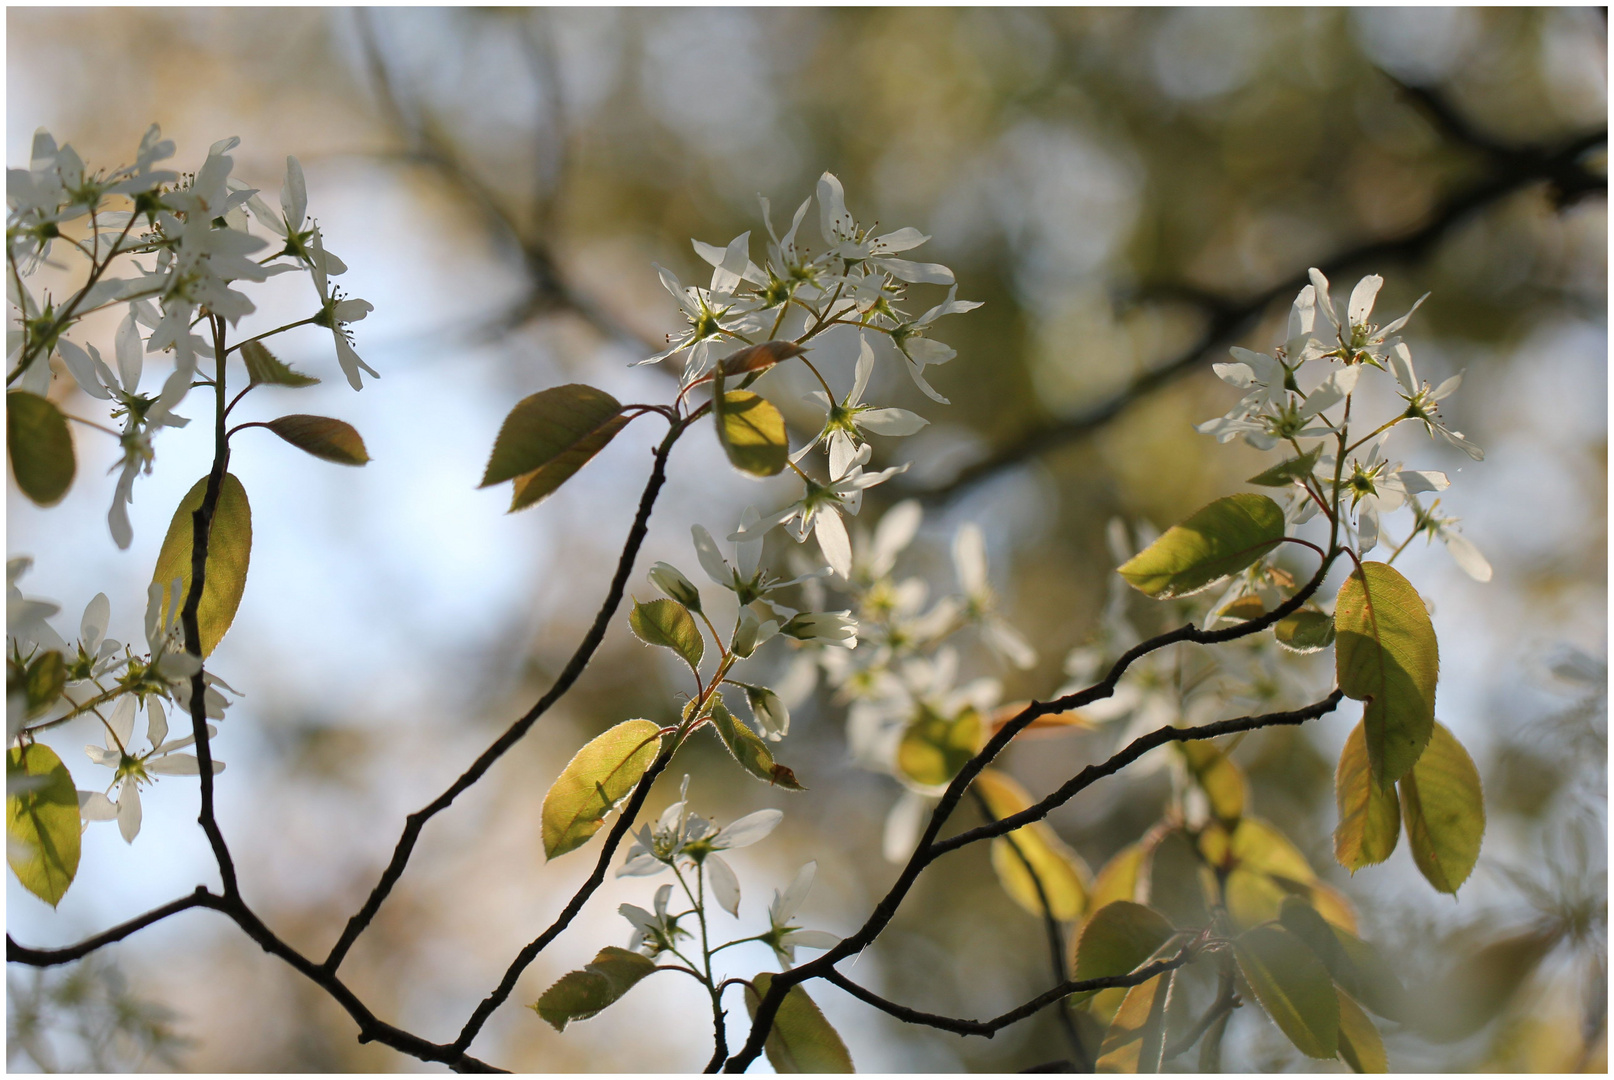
[
  {"x": 769, "y": 711},
  {"x": 833, "y": 627},
  {"x": 752, "y": 632},
  {"x": 666, "y": 577}
]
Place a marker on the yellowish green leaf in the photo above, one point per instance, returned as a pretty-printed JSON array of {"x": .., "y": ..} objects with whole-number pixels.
[
  {"x": 1387, "y": 656},
  {"x": 42, "y": 824},
  {"x": 43, "y": 682},
  {"x": 601, "y": 774},
  {"x": 1293, "y": 987},
  {"x": 1444, "y": 808},
  {"x": 229, "y": 552},
  {"x": 264, "y": 369},
  {"x": 749, "y": 749},
  {"x": 1305, "y": 631},
  {"x": 1369, "y": 819},
  {"x": 1222, "y": 781},
  {"x": 1355, "y": 965},
  {"x": 579, "y": 995},
  {"x": 801, "y": 1040},
  {"x": 669, "y": 624},
  {"x": 1360, "y": 1046},
  {"x": 40, "y": 446},
  {"x": 1136, "y": 1039},
  {"x": 1220, "y": 539},
  {"x": 331, "y": 440},
  {"x": 752, "y": 432},
  {"x": 548, "y": 437},
  {"x": 1287, "y": 472},
  {"x": 1118, "y": 939},
  {"x": 934, "y": 747},
  {"x": 1060, "y": 871}
]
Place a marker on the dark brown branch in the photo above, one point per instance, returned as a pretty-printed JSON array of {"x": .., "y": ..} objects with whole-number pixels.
[
  {"x": 928, "y": 849},
  {"x": 1509, "y": 172},
  {"x": 623, "y": 823},
  {"x": 569, "y": 675},
  {"x": 989, "y": 1028},
  {"x": 22, "y": 954}
]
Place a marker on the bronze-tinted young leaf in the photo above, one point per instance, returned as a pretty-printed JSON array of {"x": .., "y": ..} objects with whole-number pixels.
[
  {"x": 1293, "y": 987},
  {"x": 264, "y": 369},
  {"x": 1287, "y": 472},
  {"x": 41, "y": 447},
  {"x": 601, "y": 774},
  {"x": 1222, "y": 781},
  {"x": 579, "y": 995},
  {"x": 669, "y": 624},
  {"x": 43, "y": 682},
  {"x": 1355, "y": 965},
  {"x": 750, "y": 751},
  {"x": 1117, "y": 940},
  {"x": 934, "y": 747},
  {"x": 1220, "y": 539},
  {"x": 801, "y": 1040},
  {"x": 758, "y": 357},
  {"x": 1305, "y": 631},
  {"x": 1444, "y": 808},
  {"x": 1369, "y": 818},
  {"x": 42, "y": 825},
  {"x": 1386, "y": 656},
  {"x": 752, "y": 432},
  {"x": 1058, "y": 869},
  {"x": 1136, "y": 1039},
  {"x": 1244, "y": 609},
  {"x": 332, "y": 440},
  {"x": 229, "y": 552},
  {"x": 549, "y": 436},
  {"x": 1359, "y": 1044}
]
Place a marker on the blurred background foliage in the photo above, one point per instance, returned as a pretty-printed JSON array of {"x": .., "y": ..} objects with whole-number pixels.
[{"x": 1119, "y": 186}]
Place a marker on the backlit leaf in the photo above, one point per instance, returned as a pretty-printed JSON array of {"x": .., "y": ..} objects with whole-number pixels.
[
  {"x": 1287, "y": 472},
  {"x": 1220, "y": 539},
  {"x": 1444, "y": 808},
  {"x": 42, "y": 824},
  {"x": 1136, "y": 1039},
  {"x": 1360, "y": 1046},
  {"x": 1118, "y": 880},
  {"x": 750, "y": 751},
  {"x": 1355, "y": 965},
  {"x": 229, "y": 552},
  {"x": 669, "y": 624},
  {"x": 332, "y": 440},
  {"x": 579, "y": 995},
  {"x": 601, "y": 774},
  {"x": 40, "y": 446},
  {"x": 934, "y": 747},
  {"x": 1060, "y": 870},
  {"x": 1222, "y": 781},
  {"x": 1305, "y": 631},
  {"x": 43, "y": 682},
  {"x": 264, "y": 369},
  {"x": 1118, "y": 939},
  {"x": 1293, "y": 987},
  {"x": 549, "y": 436},
  {"x": 1386, "y": 655},
  {"x": 1369, "y": 818},
  {"x": 801, "y": 1040},
  {"x": 752, "y": 432}
]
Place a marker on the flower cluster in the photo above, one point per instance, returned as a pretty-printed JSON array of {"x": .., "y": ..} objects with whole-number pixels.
[{"x": 1328, "y": 350}]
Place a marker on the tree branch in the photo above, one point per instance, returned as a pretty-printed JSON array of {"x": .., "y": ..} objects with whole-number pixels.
[
  {"x": 569, "y": 675},
  {"x": 22, "y": 954}
]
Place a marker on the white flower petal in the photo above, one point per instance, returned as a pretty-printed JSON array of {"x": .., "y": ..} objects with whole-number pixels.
[
  {"x": 833, "y": 541},
  {"x": 94, "y": 806},
  {"x": 1362, "y": 298},
  {"x": 725, "y": 886},
  {"x": 812, "y": 939},
  {"x": 129, "y": 811},
  {"x": 1467, "y": 556},
  {"x": 785, "y": 904},
  {"x": 892, "y": 422},
  {"x": 903, "y": 825},
  {"x": 969, "y": 558},
  {"x": 748, "y": 830}
]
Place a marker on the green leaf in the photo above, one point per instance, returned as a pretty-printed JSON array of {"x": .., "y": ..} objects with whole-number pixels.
[
  {"x": 579, "y": 995},
  {"x": 229, "y": 551},
  {"x": 934, "y": 747},
  {"x": 1480, "y": 985},
  {"x": 752, "y": 432},
  {"x": 1305, "y": 631},
  {"x": 1060, "y": 870},
  {"x": 323, "y": 437},
  {"x": 1222, "y": 781},
  {"x": 1117, "y": 940},
  {"x": 43, "y": 682},
  {"x": 1359, "y": 1044},
  {"x": 1220, "y": 539},
  {"x": 1387, "y": 656},
  {"x": 42, "y": 825},
  {"x": 40, "y": 446},
  {"x": 1287, "y": 472},
  {"x": 1136, "y": 1038},
  {"x": 758, "y": 357},
  {"x": 1293, "y": 987},
  {"x": 749, "y": 749},
  {"x": 1369, "y": 819},
  {"x": 594, "y": 781},
  {"x": 549, "y": 436},
  {"x": 1118, "y": 880},
  {"x": 669, "y": 624},
  {"x": 1444, "y": 808},
  {"x": 263, "y": 369},
  {"x": 801, "y": 1040},
  {"x": 1356, "y": 966}
]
